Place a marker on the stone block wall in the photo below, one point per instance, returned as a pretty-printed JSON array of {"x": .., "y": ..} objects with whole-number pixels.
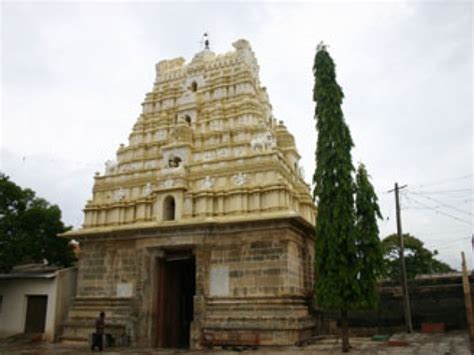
[
  {"x": 107, "y": 268},
  {"x": 269, "y": 285},
  {"x": 433, "y": 299},
  {"x": 261, "y": 263},
  {"x": 255, "y": 267}
]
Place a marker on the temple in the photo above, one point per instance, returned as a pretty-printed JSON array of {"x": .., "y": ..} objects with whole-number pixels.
[{"x": 201, "y": 230}]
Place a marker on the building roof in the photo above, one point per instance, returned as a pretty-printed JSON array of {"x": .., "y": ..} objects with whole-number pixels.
[{"x": 31, "y": 271}]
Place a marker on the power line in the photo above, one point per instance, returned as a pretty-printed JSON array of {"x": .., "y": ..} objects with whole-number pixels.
[
  {"x": 466, "y": 190},
  {"x": 438, "y": 182},
  {"x": 441, "y": 203},
  {"x": 448, "y": 241},
  {"x": 446, "y": 232},
  {"x": 437, "y": 210},
  {"x": 449, "y": 244},
  {"x": 414, "y": 208},
  {"x": 458, "y": 202},
  {"x": 440, "y": 248},
  {"x": 469, "y": 200}
]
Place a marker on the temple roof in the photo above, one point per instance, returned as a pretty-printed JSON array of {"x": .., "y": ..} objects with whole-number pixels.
[{"x": 206, "y": 146}]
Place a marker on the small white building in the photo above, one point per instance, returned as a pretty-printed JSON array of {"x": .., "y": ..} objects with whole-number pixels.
[{"x": 35, "y": 299}]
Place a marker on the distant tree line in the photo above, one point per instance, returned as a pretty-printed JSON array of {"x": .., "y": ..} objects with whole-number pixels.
[
  {"x": 418, "y": 259},
  {"x": 29, "y": 226}
]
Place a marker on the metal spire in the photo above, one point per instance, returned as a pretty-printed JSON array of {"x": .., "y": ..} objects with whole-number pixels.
[{"x": 206, "y": 41}]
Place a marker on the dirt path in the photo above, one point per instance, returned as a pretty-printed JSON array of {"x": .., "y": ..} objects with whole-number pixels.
[{"x": 452, "y": 343}]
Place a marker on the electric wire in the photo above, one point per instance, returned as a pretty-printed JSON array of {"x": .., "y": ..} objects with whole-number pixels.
[
  {"x": 441, "y": 203},
  {"x": 440, "y": 248},
  {"x": 437, "y": 210},
  {"x": 443, "y": 181},
  {"x": 439, "y": 240},
  {"x": 432, "y": 192},
  {"x": 447, "y": 242},
  {"x": 448, "y": 231}
]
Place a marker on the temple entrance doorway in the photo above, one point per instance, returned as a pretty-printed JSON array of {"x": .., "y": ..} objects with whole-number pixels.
[{"x": 176, "y": 288}]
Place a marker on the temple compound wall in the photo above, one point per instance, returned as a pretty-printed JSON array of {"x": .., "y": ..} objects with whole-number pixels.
[{"x": 201, "y": 232}]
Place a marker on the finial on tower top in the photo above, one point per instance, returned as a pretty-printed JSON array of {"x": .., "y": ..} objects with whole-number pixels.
[
  {"x": 206, "y": 41},
  {"x": 322, "y": 46}
]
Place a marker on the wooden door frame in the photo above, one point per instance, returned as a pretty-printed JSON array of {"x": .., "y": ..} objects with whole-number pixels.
[
  {"x": 159, "y": 301},
  {"x": 30, "y": 297},
  {"x": 160, "y": 256}
]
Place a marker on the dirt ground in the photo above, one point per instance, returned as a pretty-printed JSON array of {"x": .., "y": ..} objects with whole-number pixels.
[{"x": 417, "y": 343}]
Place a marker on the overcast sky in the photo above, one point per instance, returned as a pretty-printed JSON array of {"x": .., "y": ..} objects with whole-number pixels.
[{"x": 73, "y": 76}]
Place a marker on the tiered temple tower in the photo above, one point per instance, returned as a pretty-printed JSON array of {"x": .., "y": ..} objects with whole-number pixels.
[{"x": 201, "y": 231}]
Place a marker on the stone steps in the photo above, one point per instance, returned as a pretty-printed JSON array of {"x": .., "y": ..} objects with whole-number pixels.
[
  {"x": 102, "y": 302},
  {"x": 77, "y": 332},
  {"x": 73, "y": 340},
  {"x": 101, "y": 299},
  {"x": 258, "y": 323},
  {"x": 280, "y": 313},
  {"x": 90, "y": 322},
  {"x": 94, "y": 313},
  {"x": 80, "y": 322},
  {"x": 276, "y": 320},
  {"x": 81, "y": 332}
]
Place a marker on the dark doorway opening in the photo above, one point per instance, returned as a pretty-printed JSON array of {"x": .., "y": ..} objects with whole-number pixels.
[
  {"x": 176, "y": 288},
  {"x": 169, "y": 209},
  {"x": 36, "y": 314}
]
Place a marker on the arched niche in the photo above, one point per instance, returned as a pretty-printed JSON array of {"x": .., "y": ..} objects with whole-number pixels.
[
  {"x": 169, "y": 209},
  {"x": 187, "y": 119}
]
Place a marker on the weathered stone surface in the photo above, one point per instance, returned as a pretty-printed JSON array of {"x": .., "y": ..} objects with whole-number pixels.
[{"x": 269, "y": 263}]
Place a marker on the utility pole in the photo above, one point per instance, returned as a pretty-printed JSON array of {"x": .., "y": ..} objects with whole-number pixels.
[
  {"x": 472, "y": 244},
  {"x": 403, "y": 272}
]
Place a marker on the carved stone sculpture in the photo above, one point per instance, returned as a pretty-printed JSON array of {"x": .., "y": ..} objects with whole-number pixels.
[
  {"x": 240, "y": 179},
  {"x": 263, "y": 142},
  {"x": 147, "y": 190},
  {"x": 208, "y": 182},
  {"x": 110, "y": 166},
  {"x": 119, "y": 194}
]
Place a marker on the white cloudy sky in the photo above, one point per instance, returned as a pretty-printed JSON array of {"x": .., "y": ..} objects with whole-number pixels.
[{"x": 73, "y": 75}]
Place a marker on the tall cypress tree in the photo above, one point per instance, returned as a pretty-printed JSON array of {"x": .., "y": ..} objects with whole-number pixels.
[
  {"x": 336, "y": 259},
  {"x": 370, "y": 254}
]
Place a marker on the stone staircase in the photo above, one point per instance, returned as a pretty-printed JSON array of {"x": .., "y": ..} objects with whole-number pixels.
[{"x": 80, "y": 322}]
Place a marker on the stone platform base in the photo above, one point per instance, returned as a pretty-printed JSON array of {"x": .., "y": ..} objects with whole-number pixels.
[
  {"x": 257, "y": 322},
  {"x": 244, "y": 281},
  {"x": 254, "y": 338}
]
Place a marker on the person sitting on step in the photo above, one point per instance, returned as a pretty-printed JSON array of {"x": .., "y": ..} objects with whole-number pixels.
[{"x": 98, "y": 336}]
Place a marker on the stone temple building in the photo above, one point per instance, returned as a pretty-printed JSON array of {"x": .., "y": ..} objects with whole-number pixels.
[{"x": 202, "y": 229}]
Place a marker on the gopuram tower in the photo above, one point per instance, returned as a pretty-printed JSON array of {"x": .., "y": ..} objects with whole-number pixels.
[{"x": 201, "y": 231}]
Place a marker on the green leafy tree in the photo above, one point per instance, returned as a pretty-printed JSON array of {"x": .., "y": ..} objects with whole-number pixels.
[
  {"x": 370, "y": 255},
  {"x": 336, "y": 251},
  {"x": 28, "y": 229},
  {"x": 418, "y": 259}
]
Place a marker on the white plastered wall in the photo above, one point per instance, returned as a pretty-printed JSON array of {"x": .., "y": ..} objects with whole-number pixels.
[
  {"x": 60, "y": 290},
  {"x": 66, "y": 280},
  {"x": 13, "y": 314}
]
